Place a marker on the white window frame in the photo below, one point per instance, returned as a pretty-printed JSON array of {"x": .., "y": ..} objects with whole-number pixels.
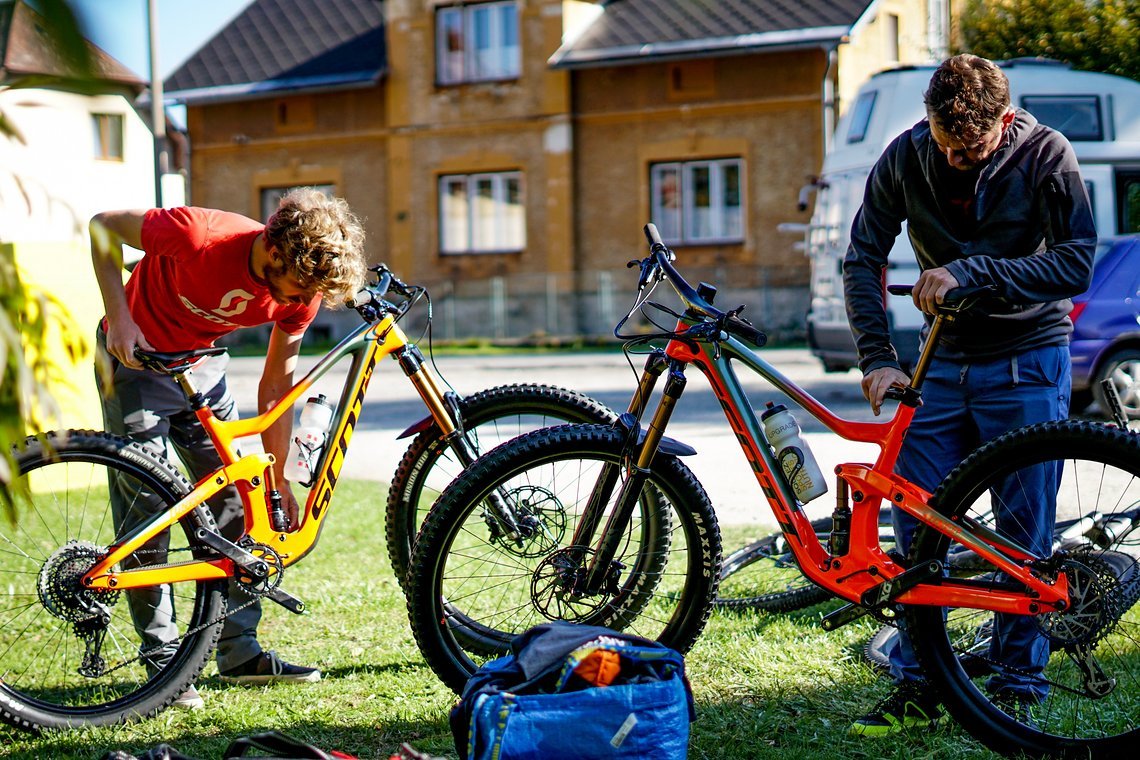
[
  {"x": 501, "y": 58},
  {"x": 499, "y": 227},
  {"x": 683, "y": 221}
]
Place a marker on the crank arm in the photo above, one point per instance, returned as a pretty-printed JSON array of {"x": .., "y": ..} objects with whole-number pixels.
[
  {"x": 891, "y": 589},
  {"x": 243, "y": 559},
  {"x": 287, "y": 600}
]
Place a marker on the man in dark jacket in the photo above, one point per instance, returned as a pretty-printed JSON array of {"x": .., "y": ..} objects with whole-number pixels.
[{"x": 990, "y": 197}]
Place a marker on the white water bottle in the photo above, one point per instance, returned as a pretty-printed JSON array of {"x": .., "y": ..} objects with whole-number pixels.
[
  {"x": 308, "y": 440},
  {"x": 792, "y": 452}
]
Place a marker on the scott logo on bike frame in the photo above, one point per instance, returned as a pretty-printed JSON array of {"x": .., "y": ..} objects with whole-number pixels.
[{"x": 337, "y": 452}]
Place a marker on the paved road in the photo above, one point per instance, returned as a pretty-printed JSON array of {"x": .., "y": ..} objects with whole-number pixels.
[{"x": 392, "y": 405}]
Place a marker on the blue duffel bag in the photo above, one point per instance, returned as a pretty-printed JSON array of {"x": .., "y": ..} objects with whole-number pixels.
[{"x": 543, "y": 701}]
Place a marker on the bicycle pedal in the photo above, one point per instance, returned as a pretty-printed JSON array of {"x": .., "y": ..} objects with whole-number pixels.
[
  {"x": 287, "y": 600},
  {"x": 848, "y": 613}
]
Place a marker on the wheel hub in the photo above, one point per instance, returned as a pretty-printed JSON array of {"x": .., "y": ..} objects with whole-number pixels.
[
  {"x": 1095, "y": 590},
  {"x": 541, "y": 519}
]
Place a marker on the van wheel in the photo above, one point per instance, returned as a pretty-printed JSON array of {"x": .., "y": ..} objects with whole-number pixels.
[{"x": 1123, "y": 368}]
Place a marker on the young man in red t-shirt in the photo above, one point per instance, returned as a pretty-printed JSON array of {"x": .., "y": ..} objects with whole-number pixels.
[{"x": 204, "y": 274}]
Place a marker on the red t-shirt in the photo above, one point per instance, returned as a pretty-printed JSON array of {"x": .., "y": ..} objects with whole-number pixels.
[{"x": 194, "y": 284}]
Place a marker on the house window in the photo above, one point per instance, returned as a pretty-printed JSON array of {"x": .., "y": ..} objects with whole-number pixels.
[
  {"x": 271, "y": 196},
  {"x": 698, "y": 201},
  {"x": 892, "y": 38},
  {"x": 481, "y": 213},
  {"x": 108, "y": 132},
  {"x": 477, "y": 43}
]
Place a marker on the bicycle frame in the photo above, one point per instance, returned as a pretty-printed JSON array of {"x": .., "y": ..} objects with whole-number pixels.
[
  {"x": 367, "y": 345},
  {"x": 865, "y": 568}
]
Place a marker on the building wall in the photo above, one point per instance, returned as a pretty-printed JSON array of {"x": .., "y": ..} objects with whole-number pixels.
[
  {"x": 762, "y": 108},
  {"x": 51, "y": 184},
  {"x": 516, "y": 125},
  {"x": 873, "y": 43}
]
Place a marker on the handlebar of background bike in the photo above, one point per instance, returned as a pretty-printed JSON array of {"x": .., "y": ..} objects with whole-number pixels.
[{"x": 658, "y": 265}]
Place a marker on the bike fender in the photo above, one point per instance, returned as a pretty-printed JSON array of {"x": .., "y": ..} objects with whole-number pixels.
[
  {"x": 417, "y": 427},
  {"x": 670, "y": 446}
]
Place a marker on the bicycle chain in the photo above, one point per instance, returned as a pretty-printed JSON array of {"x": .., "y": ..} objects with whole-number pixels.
[{"x": 254, "y": 598}]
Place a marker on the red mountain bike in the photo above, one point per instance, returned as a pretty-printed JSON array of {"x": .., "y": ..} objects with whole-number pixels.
[{"x": 625, "y": 537}]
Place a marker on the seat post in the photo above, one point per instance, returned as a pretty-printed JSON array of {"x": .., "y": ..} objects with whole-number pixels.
[{"x": 928, "y": 350}]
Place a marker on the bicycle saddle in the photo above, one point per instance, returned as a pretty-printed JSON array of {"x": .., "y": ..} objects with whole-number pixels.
[{"x": 175, "y": 362}]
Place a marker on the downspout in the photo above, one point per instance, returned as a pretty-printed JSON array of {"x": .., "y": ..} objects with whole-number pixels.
[{"x": 827, "y": 93}]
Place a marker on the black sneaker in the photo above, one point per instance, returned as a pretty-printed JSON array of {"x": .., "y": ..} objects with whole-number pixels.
[
  {"x": 1017, "y": 705},
  {"x": 908, "y": 706},
  {"x": 267, "y": 667}
]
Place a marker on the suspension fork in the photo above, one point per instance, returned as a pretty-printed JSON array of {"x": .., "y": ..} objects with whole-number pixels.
[
  {"x": 655, "y": 365},
  {"x": 601, "y": 564}
]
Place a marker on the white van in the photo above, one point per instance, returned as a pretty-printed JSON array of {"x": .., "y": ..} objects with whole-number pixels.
[{"x": 1099, "y": 113}]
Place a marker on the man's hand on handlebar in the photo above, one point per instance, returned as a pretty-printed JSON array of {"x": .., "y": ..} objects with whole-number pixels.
[
  {"x": 877, "y": 382},
  {"x": 931, "y": 288}
]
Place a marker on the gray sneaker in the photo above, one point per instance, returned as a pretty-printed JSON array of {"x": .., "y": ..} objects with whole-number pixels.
[
  {"x": 189, "y": 700},
  {"x": 267, "y": 667}
]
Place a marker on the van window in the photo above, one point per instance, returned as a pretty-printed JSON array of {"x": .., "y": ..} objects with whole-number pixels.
[
  {"x": 1128, "y": 198},
  {"x": 1077, "y": 117},
  {"x": 861, "y": 116}
]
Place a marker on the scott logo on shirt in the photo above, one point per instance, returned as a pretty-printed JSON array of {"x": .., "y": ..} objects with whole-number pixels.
[{"x": 232, "y": 304}]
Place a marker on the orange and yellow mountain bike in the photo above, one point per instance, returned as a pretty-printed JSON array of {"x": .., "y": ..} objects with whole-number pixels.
[{"x": 70, "y": 653}]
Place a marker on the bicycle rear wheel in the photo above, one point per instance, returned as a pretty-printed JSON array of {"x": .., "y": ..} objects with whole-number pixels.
[
  {"x": 1086, "y": 700},
  {"x": 490, "y": 417},
  {"x": 660, "y": 586},
  {"x": 70, "y": 656}
]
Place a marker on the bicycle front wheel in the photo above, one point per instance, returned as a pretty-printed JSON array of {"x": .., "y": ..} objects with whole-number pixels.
[
  {"x": 1059, "y": 683},
  {"x": 467, "y": 576},
  {"x": 71, "y": 656},
  {"x": 489, "y": 417}
]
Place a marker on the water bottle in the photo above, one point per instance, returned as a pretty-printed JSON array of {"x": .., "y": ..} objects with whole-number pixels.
[
  {"x": 792, "y": 452},
  {"x": 308, "y": 440}
]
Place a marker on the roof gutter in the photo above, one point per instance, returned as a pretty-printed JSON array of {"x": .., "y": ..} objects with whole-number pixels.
[
  {"x": 567, "y": 57},
  {"x": 272, "y": 87}
]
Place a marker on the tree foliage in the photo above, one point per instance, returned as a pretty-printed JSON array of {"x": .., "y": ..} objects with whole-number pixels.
[{"x": 1092, "y": 35}]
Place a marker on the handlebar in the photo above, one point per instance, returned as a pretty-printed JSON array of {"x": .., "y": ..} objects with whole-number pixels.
[
  {"x": 371, "y": 302},
  {"x": 698, "y": 301},
  {"x": 957, "y": 300}
]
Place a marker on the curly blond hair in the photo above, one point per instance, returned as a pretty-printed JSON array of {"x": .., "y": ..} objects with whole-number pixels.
[
  {"x": 321, "y": 242},
  {"x": 967, "y": 96}
]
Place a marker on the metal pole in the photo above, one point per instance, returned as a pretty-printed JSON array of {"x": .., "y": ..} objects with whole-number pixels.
[{"x": 157, "y": 112}]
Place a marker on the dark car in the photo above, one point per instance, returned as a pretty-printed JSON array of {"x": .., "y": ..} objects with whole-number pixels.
[{"x": 1106, "y": 328}]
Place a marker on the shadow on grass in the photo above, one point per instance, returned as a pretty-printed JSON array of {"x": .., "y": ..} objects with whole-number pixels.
[{"x": 373, "y": 739}]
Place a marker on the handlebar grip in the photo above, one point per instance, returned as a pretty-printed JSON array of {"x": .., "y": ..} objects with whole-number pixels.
[
  {"x": 652, "y": 235},
  {"x": 960, "y": 293},
  {"x": 745, "y": 331}
]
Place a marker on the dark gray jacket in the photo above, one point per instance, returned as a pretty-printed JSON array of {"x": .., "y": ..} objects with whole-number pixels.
[{"x": 1034, "y": 240}]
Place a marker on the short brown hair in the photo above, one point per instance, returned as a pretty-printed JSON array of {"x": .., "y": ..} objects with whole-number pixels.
[
  {"x": 967, "y": 96},
  {"x": 321, "y": 242}
]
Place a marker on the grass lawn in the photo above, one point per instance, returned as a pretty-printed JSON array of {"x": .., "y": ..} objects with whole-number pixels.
[{"x": 766, "y": 685}]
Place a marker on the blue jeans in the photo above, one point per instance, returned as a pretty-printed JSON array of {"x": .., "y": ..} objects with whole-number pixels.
[{"x": 964, "y": 406}]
